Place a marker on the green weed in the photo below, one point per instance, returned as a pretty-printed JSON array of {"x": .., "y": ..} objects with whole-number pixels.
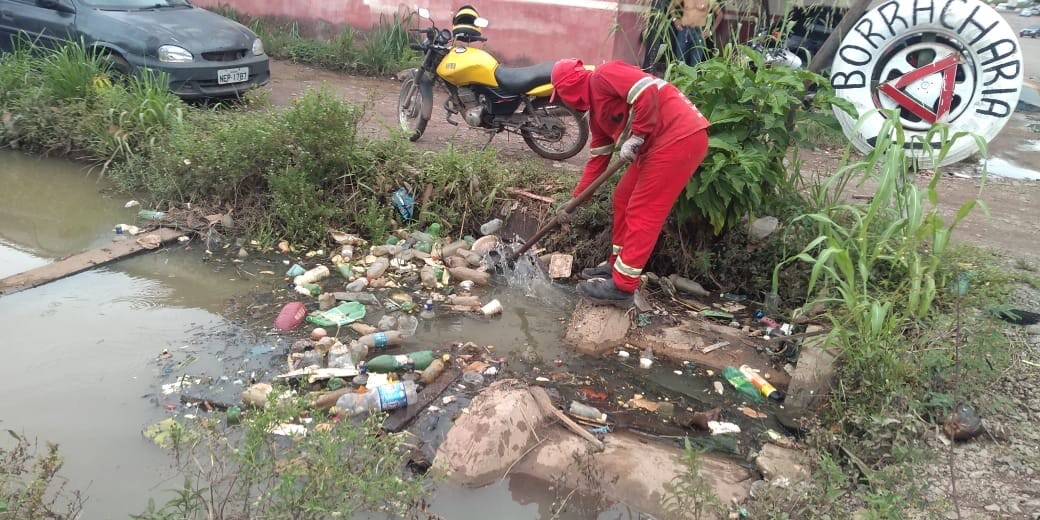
[
  {"x": 690, "y": 495},
  {"x": 347, "y": 469},
  {"x": 31, "y": 484}
]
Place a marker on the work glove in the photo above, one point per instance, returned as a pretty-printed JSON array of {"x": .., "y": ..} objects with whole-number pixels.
[
  {"x": 630, "y": 148},
  {"x": 562, "y": 217}
]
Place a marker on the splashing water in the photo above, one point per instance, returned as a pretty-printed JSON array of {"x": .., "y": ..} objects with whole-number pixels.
[{"x": 526, "y": 274}]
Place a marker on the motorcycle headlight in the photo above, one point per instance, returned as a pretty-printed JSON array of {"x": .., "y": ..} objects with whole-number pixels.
[
  {"x": 258, "y": 47},
  {"x": 174, "y": 54}
]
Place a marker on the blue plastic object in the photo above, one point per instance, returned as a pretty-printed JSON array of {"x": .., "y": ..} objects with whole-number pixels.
[{"x": 403, "y": 202}]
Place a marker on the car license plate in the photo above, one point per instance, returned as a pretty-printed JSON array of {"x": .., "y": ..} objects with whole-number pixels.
[{"x": 226, "y": 76}]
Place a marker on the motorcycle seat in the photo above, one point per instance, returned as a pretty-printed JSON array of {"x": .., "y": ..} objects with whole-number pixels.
[{"x": 517, "y": 80}]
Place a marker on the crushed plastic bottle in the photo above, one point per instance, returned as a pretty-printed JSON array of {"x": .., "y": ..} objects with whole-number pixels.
[
  {"x": 382, "y": 340},
  {"x": 741, "y": 383},
  {"x": 291, "y": 316},
  {"x": 491, "y": 227},
  {"x": 382, "y": 398},
  {"x": 587, "y": 412}
]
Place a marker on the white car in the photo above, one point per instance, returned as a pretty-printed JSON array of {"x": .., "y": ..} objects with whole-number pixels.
[{"x": 1029, "y": 11}]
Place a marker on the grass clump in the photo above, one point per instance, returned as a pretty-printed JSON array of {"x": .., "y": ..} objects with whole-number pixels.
[
  {"x": 382, "y": 50},
  {"x": 31, "y": 485},
  {"x": 338, "y": 469}
]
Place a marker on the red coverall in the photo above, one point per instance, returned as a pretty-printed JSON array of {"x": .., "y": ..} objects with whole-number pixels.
[{"x": 675, "y": 142}]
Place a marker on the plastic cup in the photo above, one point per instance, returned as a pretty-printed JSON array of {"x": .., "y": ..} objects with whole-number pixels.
[{"x": 492, "y": 308}]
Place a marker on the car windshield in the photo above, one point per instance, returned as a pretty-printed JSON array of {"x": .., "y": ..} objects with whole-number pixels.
[{"x": 136, "y": 4}]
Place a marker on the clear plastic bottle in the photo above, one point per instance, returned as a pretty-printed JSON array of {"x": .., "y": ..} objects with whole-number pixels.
[
  {"x": 586, "y": 411},
  {"x": 407, "y": 325},
  {"x": 382, "y": 398},
  {"x": 387, "y": 250},
  {"x": 427, "y": 312}
]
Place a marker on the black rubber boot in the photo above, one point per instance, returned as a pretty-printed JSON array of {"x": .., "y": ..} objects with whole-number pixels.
[
  {"x": 600, "y": 271},
  {"x": 604, "y": 292}
]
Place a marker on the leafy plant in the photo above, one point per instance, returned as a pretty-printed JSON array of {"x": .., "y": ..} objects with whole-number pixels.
[
  {"x": 31, "y": 485},
  {"x": 690, "y": 494},
  {"x": 758, "y": 115},
  {"x": 339, "y": 469}
]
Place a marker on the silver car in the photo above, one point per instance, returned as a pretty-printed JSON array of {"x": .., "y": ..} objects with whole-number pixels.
[{"x": 204, "y": 54}]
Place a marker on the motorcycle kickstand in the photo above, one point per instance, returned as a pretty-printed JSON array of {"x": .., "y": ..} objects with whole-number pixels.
[{"x": 491, "y": 135}]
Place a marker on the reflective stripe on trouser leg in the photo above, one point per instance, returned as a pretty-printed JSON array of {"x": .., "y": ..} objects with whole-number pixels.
[
  {"x": 662, "y": 178},
  {"x": 622, "y": 193},
  {"x": 627, "y": 271}
]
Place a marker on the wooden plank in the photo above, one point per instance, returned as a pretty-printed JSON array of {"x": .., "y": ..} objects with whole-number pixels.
[
  {"x": 400, "y": 419},
  {"x": 82, "y": 262}
]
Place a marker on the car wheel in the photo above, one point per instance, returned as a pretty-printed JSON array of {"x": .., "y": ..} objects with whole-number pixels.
[{"x": 961, "y": 67}]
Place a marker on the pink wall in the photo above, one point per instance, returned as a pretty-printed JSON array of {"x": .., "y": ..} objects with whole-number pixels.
[{"x": 521, "y": 32}]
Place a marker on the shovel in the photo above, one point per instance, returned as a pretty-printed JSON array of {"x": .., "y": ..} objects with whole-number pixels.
[{"x": 570, "y": 207}]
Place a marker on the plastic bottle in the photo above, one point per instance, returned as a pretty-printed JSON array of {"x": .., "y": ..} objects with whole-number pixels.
[
  {"x": 382, "y": 398},
  {"x": 491, "y": 227},
  {"x": 428, "y": 277},
  {"x": 151, "y": 214},
  {"x": 345, "y": 270},
  {"x": 376, "y": 269},
  {"x": 761, "y": 384},
  {"x": 688, "y": 286},
  {"x": 465, "y": 273},
  {"x": 432, "y": 372},
  {"x": 382, "y": 340},
  {"x": 387, "y": 250},
  {"x": 434, "y": 230},
  {"x": 355, "y": 296},
  {"x": 427, "y": 310},
  {"x": 646, "y": 358},
  {"x": 450, "y": 249},
  {"x": 357, "y": 285},
  {"x": 416, "y": 360},
  {"x": 291, "y": 316},
  {"x": 407, "y": 325},
  {"x": 295, "y": 270},
  {"x": 419, "y": 236},
  {"x": 741, "y": 383},
  {"x": 312, "y": 276},
  {"x": 587, "y": 412}
]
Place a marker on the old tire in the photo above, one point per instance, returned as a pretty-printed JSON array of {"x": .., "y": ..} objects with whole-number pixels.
[
  {"x": 562, "y": 135},
  {"x": 410, "y": 110},
  {"x": 898, "y": 57}
]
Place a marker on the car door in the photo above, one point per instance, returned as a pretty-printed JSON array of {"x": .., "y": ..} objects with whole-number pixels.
[{"x": 47, "y": 22}]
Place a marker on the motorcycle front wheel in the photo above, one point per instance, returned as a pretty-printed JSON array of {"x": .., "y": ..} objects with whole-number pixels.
[
  {"x": 561, "y": 135},
  {"x": 410, "y": 110}
]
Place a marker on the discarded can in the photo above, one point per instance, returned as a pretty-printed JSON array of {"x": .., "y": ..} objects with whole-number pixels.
[{"x": 646, "y": 359}]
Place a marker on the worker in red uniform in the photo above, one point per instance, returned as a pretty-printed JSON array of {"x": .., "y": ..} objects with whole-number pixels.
[{"x": 654, "y": 126}]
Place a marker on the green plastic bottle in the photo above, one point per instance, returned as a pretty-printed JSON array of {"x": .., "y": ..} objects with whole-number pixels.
[
  {"x": 741, "y": 383},
  {"x": 434, "y": 230},
  {"x": 415, "y": 360}
]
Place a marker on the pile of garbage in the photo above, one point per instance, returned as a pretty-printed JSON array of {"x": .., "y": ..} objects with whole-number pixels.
[{"x": 350, "y": 365}]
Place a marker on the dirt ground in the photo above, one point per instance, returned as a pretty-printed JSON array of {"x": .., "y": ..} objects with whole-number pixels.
[{"x": 1012, "y": 227}]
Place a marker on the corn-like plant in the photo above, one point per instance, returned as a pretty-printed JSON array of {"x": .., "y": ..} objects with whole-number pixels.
[{"x": 876, "y": 265}]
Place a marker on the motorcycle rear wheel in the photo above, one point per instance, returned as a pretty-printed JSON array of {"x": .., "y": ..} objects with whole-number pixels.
[
  {"x": 563, "y": 134},
  {"x": 410, "y": 110}
]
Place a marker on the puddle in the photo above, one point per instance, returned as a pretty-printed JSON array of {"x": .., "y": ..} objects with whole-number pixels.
[
  {"x": 81, "y": 353},
  {"x": 999, "y": 167}
]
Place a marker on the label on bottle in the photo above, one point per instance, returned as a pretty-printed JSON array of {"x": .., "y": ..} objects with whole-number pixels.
[
  {"x": 380, "y": 340},
  {"x": 392, "y": 397}
]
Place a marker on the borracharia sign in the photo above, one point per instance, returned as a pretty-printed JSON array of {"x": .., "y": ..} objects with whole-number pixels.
[{"x": 956, "y": 62}]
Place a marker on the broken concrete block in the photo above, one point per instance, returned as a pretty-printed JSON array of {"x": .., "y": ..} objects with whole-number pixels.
[
  {"x": 595, "y": 329},
  {"x": 782, "y": 463},
  {"x": 630, "y": 471},
  {"x": 497, "y": 429},
  {"x": 560, "y": 265},
  {"x": 814, "y": 375}
]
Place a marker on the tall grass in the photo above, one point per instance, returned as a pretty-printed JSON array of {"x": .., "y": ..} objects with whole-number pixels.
[
  {"x": 381, "y": 50},
  {"x": 70, "y": 71}
]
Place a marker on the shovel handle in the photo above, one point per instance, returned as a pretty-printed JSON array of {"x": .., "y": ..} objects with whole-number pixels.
[{"x": 570, "y": 207}]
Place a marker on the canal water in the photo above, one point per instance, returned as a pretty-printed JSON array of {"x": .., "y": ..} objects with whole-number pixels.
[{"x": 83, "y": 364}]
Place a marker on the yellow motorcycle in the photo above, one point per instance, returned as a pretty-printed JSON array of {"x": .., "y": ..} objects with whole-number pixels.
[{"x": 487, "y": 95}]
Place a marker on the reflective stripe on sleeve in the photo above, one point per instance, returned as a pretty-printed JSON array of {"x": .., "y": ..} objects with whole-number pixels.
[
  {"x": 606, "y": 149},
  {"x": 615, "y": 249}
]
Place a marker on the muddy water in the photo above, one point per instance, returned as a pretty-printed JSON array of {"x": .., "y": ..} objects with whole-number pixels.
[{"x": 81, "y": 355}]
